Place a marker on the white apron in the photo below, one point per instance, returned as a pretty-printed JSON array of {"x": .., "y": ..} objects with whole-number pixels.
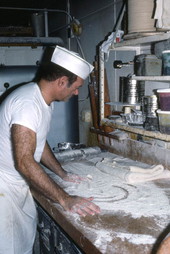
[{"x": 18, "y": 217}]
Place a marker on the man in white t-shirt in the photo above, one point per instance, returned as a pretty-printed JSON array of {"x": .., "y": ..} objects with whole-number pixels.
[{"x": 25, "y": 119}]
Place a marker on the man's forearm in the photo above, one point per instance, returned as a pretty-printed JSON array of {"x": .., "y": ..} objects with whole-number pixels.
[
  {"x": 23, "y": 140},
  {"x": 49, "y": 160},
  {"x": 39, "y": 180}
]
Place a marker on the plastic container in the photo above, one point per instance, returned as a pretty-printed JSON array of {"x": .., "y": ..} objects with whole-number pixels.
[
  {"x": 166, "y": 62},
  {"x": 164, "y": 99},
  {"x": 148, "y": 65},
  {"x": 164, "y": 121}
]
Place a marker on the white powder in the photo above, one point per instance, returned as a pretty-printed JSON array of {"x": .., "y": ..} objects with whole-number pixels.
[
  {"x": 136, "y": 238},
  {"x": 105, "y": 182},
  {"x": 111, "y": 192},
  {"x": 101, "y": 238}
]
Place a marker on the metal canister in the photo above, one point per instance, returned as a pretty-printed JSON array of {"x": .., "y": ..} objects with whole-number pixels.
[
  {"x": 132, "y": 92},
  {"x": 141, "y": 90},
  {"x": 129, "y": 92},
  {"x": 122, "y": 89},
  {"x": 149, "y": 105},
  {"x": 38, "y": 24}
]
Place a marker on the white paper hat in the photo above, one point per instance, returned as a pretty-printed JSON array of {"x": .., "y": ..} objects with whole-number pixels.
[{"x": 72, "y": 62}]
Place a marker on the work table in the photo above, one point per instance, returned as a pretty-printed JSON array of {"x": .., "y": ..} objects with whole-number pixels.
[
  {"x": 132, "y": 217},
  {"x": 66, "y": 222}
]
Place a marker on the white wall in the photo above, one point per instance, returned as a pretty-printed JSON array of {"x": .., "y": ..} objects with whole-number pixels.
[{"x": 20, "y": 55}]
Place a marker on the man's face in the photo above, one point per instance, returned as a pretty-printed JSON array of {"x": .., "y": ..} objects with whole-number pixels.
[{"x": 68, "y": 92}]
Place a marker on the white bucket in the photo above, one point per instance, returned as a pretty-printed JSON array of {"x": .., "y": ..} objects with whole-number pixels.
[{"x": 140, "y": 16}]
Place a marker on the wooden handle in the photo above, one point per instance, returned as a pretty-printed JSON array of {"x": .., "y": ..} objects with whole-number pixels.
[
  {"x": 107, "y": 108},
  {"x": 94, "y": 106}
]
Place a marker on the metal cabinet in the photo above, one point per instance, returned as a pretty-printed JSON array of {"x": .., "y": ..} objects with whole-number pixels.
[
  {"x": 51, "y": 238},
  {"x": 62, "y": 244}
]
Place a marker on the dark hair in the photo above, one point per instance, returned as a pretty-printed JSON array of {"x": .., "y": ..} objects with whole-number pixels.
[{"x": 50, "y": 72}]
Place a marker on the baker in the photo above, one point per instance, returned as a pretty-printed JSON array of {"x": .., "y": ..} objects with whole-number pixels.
[
  {"x": 164, "y": 246},
  {"x": 25, "y": 120}
]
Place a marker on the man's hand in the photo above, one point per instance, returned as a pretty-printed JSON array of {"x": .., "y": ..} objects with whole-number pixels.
[{"x": 81, "y": 206}]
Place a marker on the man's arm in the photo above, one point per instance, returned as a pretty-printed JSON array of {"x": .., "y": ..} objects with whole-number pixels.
[
  {"x": 164, "y": 246},
  {"x": 49, "y": 160},
  {"x": 24, "y": 145}
]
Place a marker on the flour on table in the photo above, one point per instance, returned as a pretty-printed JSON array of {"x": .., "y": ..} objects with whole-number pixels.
[
  {"x": 136, "y": 238},
  {"x": 110, "y": 190},
  {"x": 106, "y": 182},
  {"x": 101, "y": 239}
]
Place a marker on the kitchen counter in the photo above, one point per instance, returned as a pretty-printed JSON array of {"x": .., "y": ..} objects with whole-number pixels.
[{"x": 133, "y": 215}]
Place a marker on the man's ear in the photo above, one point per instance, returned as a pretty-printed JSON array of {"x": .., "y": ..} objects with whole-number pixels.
[{"x": 63, "y": 81}]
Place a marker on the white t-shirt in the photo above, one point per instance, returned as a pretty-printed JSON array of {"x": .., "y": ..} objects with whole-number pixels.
[{"x": 24, "y": 106}]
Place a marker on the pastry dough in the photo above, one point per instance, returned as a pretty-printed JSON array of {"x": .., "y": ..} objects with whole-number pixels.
[
  {"x": 132, "y": 174},
  {"x": 153, "y": 170},
  {"x": 137, "y": 174}
]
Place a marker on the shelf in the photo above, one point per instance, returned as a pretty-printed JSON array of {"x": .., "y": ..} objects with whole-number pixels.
[
  {"x": 122, "y": 104},
  {"x": 147, "y": 40},
  {"x": 152, "y": 78},
  {"x": 138, "y": 43},
  {"x": 136, "y": 130},
  {"x": 22, "y": 41}
]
